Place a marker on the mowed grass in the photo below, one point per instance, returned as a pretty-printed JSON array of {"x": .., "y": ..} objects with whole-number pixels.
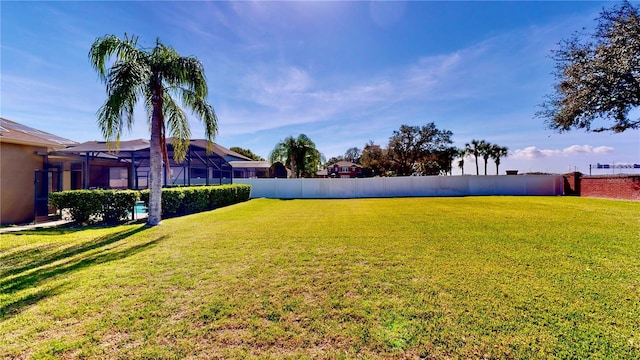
[{"x": 435, "y": 278}]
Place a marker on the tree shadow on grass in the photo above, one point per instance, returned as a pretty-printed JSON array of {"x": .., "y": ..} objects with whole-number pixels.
[
  {"x": 16, "y": 306},
  {"x": 20, "y": 261},
  {"x": 69, "y": 260}
]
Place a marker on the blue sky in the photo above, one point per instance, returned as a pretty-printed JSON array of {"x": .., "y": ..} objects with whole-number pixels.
[{"x": 343, "y": 73}]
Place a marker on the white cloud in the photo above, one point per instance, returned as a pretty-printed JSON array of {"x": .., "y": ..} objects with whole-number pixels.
[
  {"x": 533, "y": 152},
  {"x": 587, "y": 149}
]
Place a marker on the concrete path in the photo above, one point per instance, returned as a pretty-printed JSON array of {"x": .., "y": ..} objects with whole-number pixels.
[
  {"x": 42, "y": 225},
  {"x": 51, "y": 224}
]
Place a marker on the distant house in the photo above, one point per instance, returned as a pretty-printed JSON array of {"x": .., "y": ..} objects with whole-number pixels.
[
  {"x": 342, "y": 169},
  {"x": 28, "y": 172}
]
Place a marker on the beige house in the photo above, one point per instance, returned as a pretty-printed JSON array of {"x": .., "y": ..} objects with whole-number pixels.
[
  {"x": 36, "y": 163},
  {"x": 27, "y": 172}
]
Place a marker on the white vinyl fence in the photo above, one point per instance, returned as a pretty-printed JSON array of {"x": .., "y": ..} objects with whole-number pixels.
[{"x": 405, "y": 186}]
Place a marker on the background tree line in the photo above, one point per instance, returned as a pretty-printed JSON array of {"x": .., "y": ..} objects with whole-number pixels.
[
  {"x": 411, "y": 151},
  {"x": 421, "y": 151}
]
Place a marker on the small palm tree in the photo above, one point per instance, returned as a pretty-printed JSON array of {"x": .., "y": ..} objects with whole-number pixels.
[
  {"x": 484, "y": 149},
  {"x": 300, "y": 153},
  {"x": 498, "y": 152},
  {"x": 474, "y": 149},
  {"x": 157, "y": 75},
  {"x": 462, "y": 153}
]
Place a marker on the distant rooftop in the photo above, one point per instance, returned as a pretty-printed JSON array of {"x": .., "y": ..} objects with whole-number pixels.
[
  {"x": 344, "y": 163},
  {"x": 102, "y": 146},
  {"x": 11, "y": 131},
  {"x": 250, "y": 164},
  {"x": 129, "y": 146}
]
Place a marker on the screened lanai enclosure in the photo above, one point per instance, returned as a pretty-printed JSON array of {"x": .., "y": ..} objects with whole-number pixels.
[{"x": 94, "y": 164}]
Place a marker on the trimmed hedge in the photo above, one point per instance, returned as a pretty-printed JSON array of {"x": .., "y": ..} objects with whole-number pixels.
[
  {"x": 110, "y": 206},
  {"x": 192, "y": 199},
  {"x": 113, "y": 206}
]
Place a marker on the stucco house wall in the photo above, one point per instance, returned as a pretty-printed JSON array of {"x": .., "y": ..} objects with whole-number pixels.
[
  {"x": 23, "y": 150},
  {"x": 17, "y": 166}
]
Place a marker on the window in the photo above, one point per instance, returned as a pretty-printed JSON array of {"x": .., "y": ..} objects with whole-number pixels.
[
  {"x": 118, "y": 177},
  {"x": 345, "y": 169}
]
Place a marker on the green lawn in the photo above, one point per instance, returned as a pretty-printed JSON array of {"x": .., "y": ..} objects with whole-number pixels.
[{"x": 435, "y": 278}]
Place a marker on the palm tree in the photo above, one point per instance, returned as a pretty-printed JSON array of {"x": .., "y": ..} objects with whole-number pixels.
[
  {"x": 484, "y": 149},
  {"x": 300, "y": 153},
  {"x": 446, "y": 158},
  {"x": 462, "y": 153},
  {"x": 474, "y": 148},
  {"x": 498, "y": 152},
  {"x": 157, "y": 75}
]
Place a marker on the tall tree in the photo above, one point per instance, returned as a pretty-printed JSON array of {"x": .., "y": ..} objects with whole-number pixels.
[
  {"x": 444, "y": 159},
  {"x": 353, "y": 154},
  {"x": 374, "y": 160},
  {"x": 246, "y": 152},
  {"x": 484, "y": 149},
  {"x": 498, "y": 152},
  {"x": 474, "y": 148},
  {"x": 300, "y": 153},
  {"x": 158, "y": 76},
  {"x": 598, "y": 79},
  {"x": 411, "y": 144}
]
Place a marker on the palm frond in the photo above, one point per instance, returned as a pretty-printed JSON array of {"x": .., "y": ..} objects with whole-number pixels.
[
  {"x": 125, "y": 81},
  {"x": 205, "y": 112},
  {"x": 107, "y": 46},
  {"x": 178, "y": 127}
]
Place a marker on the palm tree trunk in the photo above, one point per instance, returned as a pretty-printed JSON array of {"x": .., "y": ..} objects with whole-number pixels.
[
  {"x": 497, "y": 165},
  {"x": 155, "y": 171},
  {"x": 477, "y": 169}
]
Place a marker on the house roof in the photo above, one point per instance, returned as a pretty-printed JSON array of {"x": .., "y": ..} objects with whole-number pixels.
[
  {"x": 13, "y": 132},
  {"x": 143, "y": 144},
  {"x": 250, "y": 164},
  {"x": 102, "y": 146},
  {"x": 345, "y": 163},
  {"x": 220, "y": 150}
]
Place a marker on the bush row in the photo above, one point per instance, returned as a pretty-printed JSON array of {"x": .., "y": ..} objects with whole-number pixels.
[
  {"x": 110, "y": 206},
  {"x": 187, "y": 200}
]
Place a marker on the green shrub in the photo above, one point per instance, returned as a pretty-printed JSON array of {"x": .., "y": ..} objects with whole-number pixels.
[
  {"x": 144, "y": 197},
  {"x": 110, "y": 206},
  {"x": 195, "y": 199},
  {"x": 82, "y": 204},
  {"x": 118, "y": 204},
  {"x": 172, "y": 201},
  {"x": 192, "y": 199}
]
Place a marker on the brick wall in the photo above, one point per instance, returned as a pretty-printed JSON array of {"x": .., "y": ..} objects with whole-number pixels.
[
  {"x": 572, "y": 183},
  {"x": 604, "y": 186}
]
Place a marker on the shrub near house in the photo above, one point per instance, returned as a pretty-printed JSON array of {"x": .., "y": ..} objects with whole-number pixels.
[
  {"x": 112, "y": 206},
  {"x": 187, "y": 200}
]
